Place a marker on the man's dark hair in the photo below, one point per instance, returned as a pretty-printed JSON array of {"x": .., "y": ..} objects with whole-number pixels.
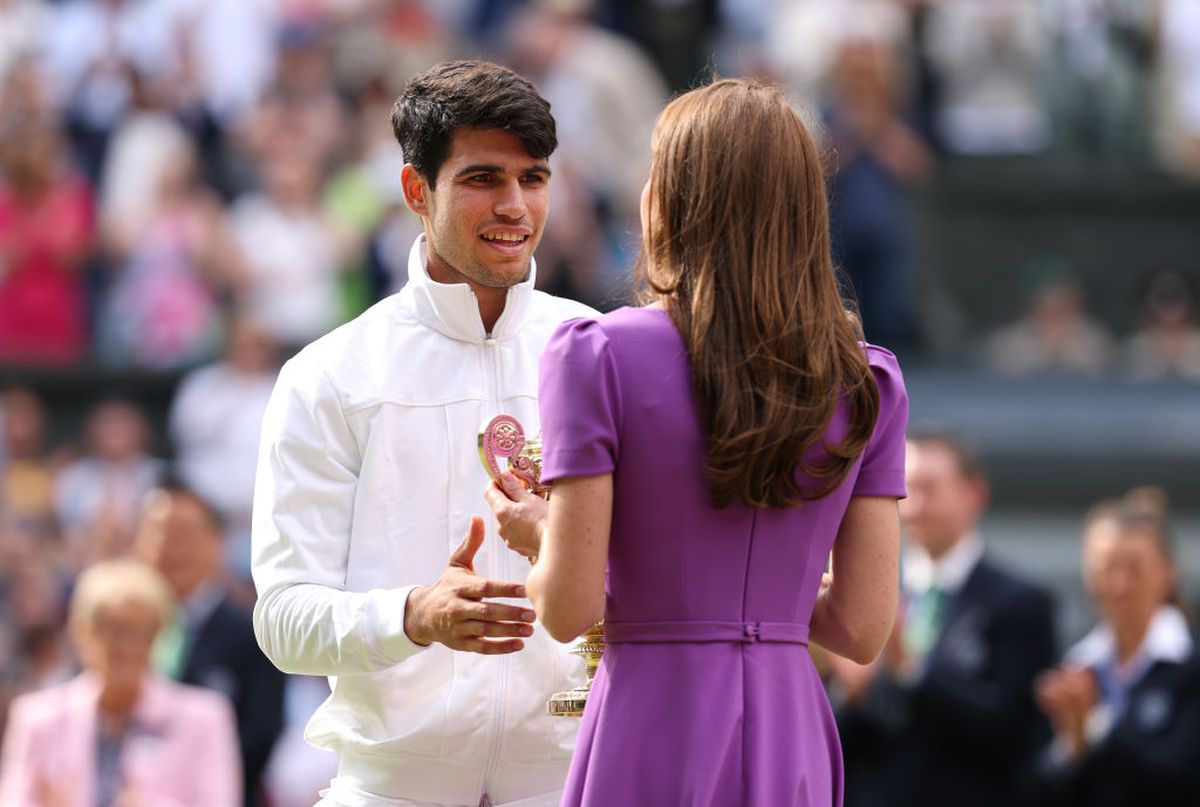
[
  {"x": 171, "y": 483},
  {"x": 478, "y": 95},
  {"x": 969, "y": 464}
]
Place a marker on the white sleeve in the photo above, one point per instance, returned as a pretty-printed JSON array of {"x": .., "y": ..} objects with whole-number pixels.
[{"x": 308, "y": 465}]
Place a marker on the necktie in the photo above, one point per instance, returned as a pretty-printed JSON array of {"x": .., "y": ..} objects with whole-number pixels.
[
  {"x": 170, "y": 646},
  {"x": 923, "y": 622}
]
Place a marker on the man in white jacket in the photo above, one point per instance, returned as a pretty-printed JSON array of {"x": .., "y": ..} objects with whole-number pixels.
[{"x": 369, "y": 477}]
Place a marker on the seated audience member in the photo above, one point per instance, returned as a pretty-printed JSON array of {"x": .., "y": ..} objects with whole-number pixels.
[
  {"x": 116, "y": 734},
  {"x": 1167, "y": 345},
  {"x": 1125, "y": 703},
  {"x": 210, "y": 640},
  {"x": 45, "y": 226},
  {"x": 945, "y": 717},
  {"x": 990, "y": 60},
  {"x": 34, "y": 652},
  {"x": 27, "y": 522},
  {"x": 171, "y": 256},
  {"x": 1053, "y": 336},
  {"x": 97, "y": 496},
  {"x": 215, "y": 420}
]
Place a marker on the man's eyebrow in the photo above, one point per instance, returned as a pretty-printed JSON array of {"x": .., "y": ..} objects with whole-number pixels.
[{"x": 482, "y": 168}]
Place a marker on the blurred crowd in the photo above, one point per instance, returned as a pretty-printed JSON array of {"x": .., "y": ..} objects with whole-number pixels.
[
  {"x": 198, "y": 187},
  {"x": 169, "y": 164}
]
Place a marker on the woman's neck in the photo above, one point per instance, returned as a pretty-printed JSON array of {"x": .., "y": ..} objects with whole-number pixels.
[
  {"x": 1129, "y": 636},
  {"x": 116, "y": 705}
]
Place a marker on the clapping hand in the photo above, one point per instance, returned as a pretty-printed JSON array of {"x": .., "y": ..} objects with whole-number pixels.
[
  {"x": 454, "y": 611},
  {"x": 1067, "y": 695}
]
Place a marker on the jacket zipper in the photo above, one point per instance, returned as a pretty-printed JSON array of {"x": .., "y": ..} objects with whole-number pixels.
[{"x": 491, "y": 347}]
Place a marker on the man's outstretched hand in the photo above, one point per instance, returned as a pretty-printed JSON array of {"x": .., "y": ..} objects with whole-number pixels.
[{"x": 453, "y": 610}]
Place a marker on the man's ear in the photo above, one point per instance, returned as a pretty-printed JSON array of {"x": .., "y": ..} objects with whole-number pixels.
[{"x": 416, "y": 190}]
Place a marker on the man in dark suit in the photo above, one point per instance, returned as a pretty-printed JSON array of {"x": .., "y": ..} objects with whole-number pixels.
[
  {"x": 946, "y": 715},
  {"x": 211, "y": 643}
]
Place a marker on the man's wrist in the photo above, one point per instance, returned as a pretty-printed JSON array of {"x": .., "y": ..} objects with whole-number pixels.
[{"x": 414, "y": 628}]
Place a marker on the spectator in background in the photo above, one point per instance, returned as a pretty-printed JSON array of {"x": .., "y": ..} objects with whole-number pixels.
[
  {"x": 214, "y": 425},
  {"x": 289, "y": 276},
  {"x": 27, "y": 522},
  {"x": 98, "y": 495},
  {"x": 1179, "y": 80},
  {"x": 1125, "y": 703},
  {"x": 21, "y": 24},
  {"x": 169, "y": 259},
  {"x": 876, "y": 155},
  {"x": 303, "y": 103},
  {"x": 366, "y": 207},
  {"x": 1102, "y": 76},
  {"x": 945, "y": 717},
  {"x": 1054, "y": 336},
  {"x": 25, "y": 100},
  {"x": 146, "y": 146},
  {"x": 804, "y": 38},
  {"x": 606, "y": 94},
  {"x": 117, "y": 734},
  {"x": 34, "y": 653},
  {"x": 1167, "y": 344},
  {"x": 210, "y": 640},
  {"x": 991, "y": 59},
  {"x": 45, "y": 227},
  {"x": 92, "y": 48}
]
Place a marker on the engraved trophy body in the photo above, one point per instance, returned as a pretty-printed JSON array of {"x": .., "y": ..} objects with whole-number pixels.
[{"x": 502, "y": 437}]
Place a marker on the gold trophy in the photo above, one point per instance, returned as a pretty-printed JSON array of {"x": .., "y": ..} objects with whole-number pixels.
[{"x": 503, "y": 437}]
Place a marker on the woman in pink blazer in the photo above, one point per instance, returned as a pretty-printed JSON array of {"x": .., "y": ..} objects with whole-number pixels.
[{"x": 117, "y": 735}]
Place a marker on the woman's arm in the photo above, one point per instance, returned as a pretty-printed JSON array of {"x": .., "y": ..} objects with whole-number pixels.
[
  {"x": 854, "y": 614},
  {"x": 566, "y": 585}
]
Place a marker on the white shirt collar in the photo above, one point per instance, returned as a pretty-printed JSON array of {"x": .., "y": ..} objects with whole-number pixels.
[
  {"x": 1167, "y": 639},
  {"x": 452, "y": 308},
  {"x": 949, "y": 572}
]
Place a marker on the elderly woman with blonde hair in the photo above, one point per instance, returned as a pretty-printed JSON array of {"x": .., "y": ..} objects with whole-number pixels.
[{"x": 117, "y": 735}]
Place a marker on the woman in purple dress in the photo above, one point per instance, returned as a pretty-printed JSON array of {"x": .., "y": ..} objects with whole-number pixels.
[{"x": 708, "y": 452}]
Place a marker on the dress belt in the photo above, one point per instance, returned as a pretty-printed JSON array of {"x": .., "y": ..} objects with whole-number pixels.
[{"x": 739, "y": 632}]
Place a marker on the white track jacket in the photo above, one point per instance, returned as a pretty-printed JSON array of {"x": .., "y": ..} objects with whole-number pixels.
[{"x": 367, "y": 479}]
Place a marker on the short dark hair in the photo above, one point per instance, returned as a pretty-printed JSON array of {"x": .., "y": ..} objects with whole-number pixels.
[
  {"x": 965, "y": 457},
  {"x": 478, "y": 95},
  {"x": 172, "y": 484}
]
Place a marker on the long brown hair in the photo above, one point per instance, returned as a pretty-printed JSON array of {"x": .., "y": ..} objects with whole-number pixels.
[{"x": 737, "y": 249}]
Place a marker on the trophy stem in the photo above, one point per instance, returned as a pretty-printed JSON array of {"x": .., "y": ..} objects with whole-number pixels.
[{"x": 571, "y": 702}]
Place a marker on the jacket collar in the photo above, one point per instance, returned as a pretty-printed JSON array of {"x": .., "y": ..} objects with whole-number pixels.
[
  {"x": 453, "y": 310},
  {"x": 949, "y": 573},
  {"x": 1167, "y": 639},
  {"x": 151, "y": 712}
]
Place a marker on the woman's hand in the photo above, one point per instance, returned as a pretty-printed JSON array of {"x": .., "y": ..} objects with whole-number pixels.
[
  {"x": 1067, "y": 696},
  {"x": 520, "y": 514}
]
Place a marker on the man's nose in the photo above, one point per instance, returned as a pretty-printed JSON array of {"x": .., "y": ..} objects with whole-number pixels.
[{"x": 510, "y": 202}]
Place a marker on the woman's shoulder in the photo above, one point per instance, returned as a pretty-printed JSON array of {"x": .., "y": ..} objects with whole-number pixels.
[
  {"x": 885, "y": 367},
  {"x": 621, "y": 325}
]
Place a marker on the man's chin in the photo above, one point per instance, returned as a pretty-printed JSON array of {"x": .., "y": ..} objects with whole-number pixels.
[{"x": 502, "y": 278}]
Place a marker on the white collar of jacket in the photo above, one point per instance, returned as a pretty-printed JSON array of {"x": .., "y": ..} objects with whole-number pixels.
[
  {"x": 452, "y": 309},
  {"x": 1167, "y": 639},
  {"x": 948, "y": 573}
]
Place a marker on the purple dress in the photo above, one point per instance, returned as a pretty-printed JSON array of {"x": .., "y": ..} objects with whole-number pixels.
[{"x": 707, "y": 694}]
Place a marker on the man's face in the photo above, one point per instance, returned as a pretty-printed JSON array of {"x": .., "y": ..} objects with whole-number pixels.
[
  {"x": 177, "y": 537},
  {"x": 485, "y": 217},
  {"x": 943, "y": 504}
]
